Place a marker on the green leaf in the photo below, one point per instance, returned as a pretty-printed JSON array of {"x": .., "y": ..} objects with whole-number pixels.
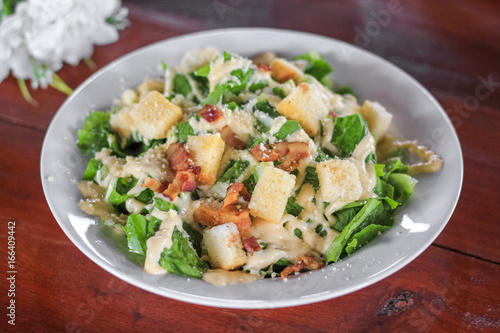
[
  {"x": 312, "y": 177},
  {"x": 91, "y": 170},
  {"x": 278, "y": 91},
  {"x": 194, "y": 236},
  {"x": 254, "y": 143},
  {"x": 203, "y": 72},
  {"x": 181, "y": 258},
  {"x": 232, "y": 106},
  {"x": 288, "y": 128},
  {"x": 181, "y": 85},
  {"x": 317, "y": 66},
  {"x": 216, "y": 95},
  {"x": 335, "y": 250},
  {"x": 164, "y": 205},
  {"x": 227, "y": 56},
  {"x": 120, "y": 190},
  {"x": 293, "y": 208},
  {"x": 323, "y": 155},
  {"x": 258, "y": 86},
  {"x": 348, "y": 133},
  {"x": 395, "y": 165},
  {"x": 95, "y": 133},
  {"x": 364, "y": 236},
  {"x": 202, "y": 83},
  {"x": 403, "y": 186},
  {"x": 344, "y": 90},
  {"x": 297, "y": 232},
  {"x": 136, "y": 230},
  {"x": 267, "y": 108},
  {"x": 154, "y": 224},
  {"x": 145, "y": 196},
  {"x": 283, "y": 262},
  {"x": 244, "y": 78},
  {"x": 184, "y": 130},
  {"x": 234, "y": 170}
]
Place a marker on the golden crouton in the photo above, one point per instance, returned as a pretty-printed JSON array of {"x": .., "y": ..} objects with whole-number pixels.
[
  {"x": 150, "y": 85},
  {"x": 271, "y": 194},
  {"x": 154, "y": 115},
  {"x": 377, "y": 117},
  {"x": 282, "y": 71},
  {"x": 122, "y": 123},
  {"x": 339, "y": 181},
  {"x": 306, "y": 106},
  {"x": 206, "y": 152},
  {"x": 224, "y": 246}
]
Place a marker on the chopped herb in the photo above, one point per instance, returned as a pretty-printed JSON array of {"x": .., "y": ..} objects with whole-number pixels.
[
  {"x": 279, "y": 92},
  {"x": 297, "y": 232},
  {"x": 184, "y": 130},
  {"x": 293, "y": 208}
]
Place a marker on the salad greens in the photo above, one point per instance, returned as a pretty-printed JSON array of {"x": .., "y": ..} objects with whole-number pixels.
[{"x": 142, "y": 194}]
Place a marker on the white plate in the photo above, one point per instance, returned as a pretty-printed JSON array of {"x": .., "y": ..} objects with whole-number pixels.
[{"x": 417, "y": 115}]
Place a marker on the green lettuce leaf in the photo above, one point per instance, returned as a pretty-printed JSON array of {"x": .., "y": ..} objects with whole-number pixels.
[
  {"x": 403, "y": 186},
  {"x": 92, "y": 169},
  {"x": 288, "y": 128},
  {"x": 181, "y": 258},
  {"x": 317, "y": 66},
  {"x": 136, "y": 230},
  {"x": 348, "y": 133},
  {"x": 364, "y": 236},
  {"x": 184, "y": 130},
  {"x": 312, "y": 177},
  {"x": 164, "y": 205},
  {"x": 181, "y": 85},
  {"x": 335, "y": 250},
  {"x": 293, "y": 208},
  {"x": 234, "y": 170}
]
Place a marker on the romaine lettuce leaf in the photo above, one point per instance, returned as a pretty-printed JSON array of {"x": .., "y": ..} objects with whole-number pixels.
[
  {"x": 234, "y": 170},
  {"x": 317, "y": 67},
  {"x": 181, "y": 258},
  {"x": 136, "y": 229},
  {"x": 335, "y": 250},
  {"x": 348, "y": 133},
  {"x": 288, "y": 128},
  {"x": 184, "y": 130},
  {"x": 181, "y": 85},
  {"x": 92, "y": 169},
  {"x": 364, "y": 236}
]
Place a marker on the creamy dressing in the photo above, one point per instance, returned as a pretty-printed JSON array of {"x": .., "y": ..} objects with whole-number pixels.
[
  {"x": 220, "y": 277},
  {"x": 366, "y": 170},
  {"x": 161, "y": 240},
  {"x": 282, "y": 244}
]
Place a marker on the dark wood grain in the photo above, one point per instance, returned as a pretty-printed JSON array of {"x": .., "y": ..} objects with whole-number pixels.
[{"x": 448, "y": 46}]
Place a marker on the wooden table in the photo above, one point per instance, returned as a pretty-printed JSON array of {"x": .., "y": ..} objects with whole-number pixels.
[{"x": 451, "y": 47}]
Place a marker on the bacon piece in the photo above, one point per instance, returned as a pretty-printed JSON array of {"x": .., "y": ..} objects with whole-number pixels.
[
  {"x": 230, "y": 138},
  {"x": 264, "y": 67},
  {"x": 247, "y": 196},
  {"x": 152, "y": 184},
  {"x": 251, "y": 245},
  {"x": 177, "y": 157},
  {"x": 298, "y": 150},
  {"x": 332, "y": 114},
  {"x": 155, "y": 185},
  {"x": 232, "y": 194},
  {"x": 263, "y": 153},
  {"x": 196, "y": 169},
  {"x": 184, "y": 181},
  {"x": 210, "y": 113},
  {"x": 306, "y": 261}
]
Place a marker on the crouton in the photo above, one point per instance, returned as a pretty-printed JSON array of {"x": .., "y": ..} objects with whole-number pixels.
[
  {"x": 339, "y": 181},
  {"x": 271, "y": 194},
  {"x": 283, "y": 71},
  {"x": 377, "y": 117},
  {"x": 154, "y": 115},
  {"x": 224, "y": 246},
  {"x": 150, "y": 85},
  {"x": 206, "y": 152},
  {"x": 306, "y": 106},
  {"x": 122, "y": 123}
]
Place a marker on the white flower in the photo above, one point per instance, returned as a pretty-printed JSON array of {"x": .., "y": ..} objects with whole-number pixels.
[{"x": 43, "y": 34}]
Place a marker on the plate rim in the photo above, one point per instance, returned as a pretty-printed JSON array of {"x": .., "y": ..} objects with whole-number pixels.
[{"x": 250, "y": 304}]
